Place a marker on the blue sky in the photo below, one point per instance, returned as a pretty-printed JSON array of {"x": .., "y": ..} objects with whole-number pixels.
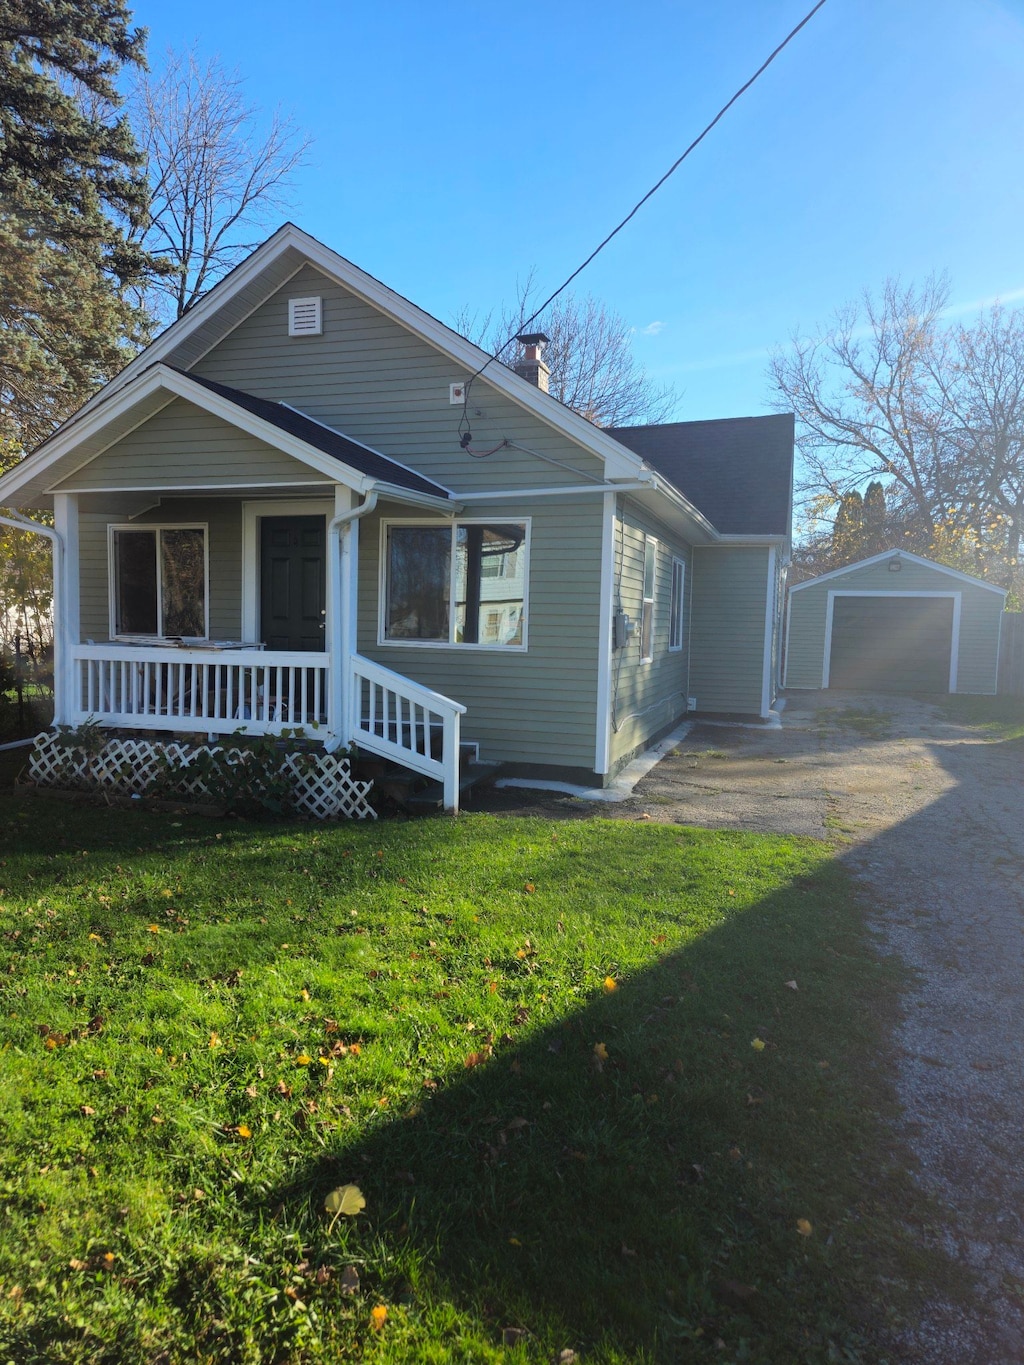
[{"x": 458, "y": 145}]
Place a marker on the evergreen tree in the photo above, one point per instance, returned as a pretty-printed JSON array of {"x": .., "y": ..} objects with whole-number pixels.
[
  {"x": 71, "y": 191},
  {"x": 875, "y": 522},
  {"x": 848, "y": 531}
]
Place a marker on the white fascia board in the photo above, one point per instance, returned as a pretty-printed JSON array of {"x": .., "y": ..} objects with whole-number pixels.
[
  {"x": 449, "y": 506},
  {"x": 738, "y": 540},
  {"x": 618, "y": 461},
  {"x": 661, "y": 485},
  {"x": 897, "y": 554}
]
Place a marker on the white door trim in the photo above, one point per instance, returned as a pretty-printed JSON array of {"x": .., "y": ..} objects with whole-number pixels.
[
  {"x": 954, "y": 645},
  {"x": 251, "y": 514}
]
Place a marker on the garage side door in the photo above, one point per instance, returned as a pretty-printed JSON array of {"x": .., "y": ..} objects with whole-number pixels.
[{"x": 891, "y": 644}]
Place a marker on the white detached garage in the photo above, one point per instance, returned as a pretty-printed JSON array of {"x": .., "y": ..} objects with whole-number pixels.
[{"x": 894, "y": 623}]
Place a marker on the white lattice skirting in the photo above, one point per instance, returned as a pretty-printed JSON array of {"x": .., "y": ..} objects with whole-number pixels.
[{"x": 322, "y": 784}]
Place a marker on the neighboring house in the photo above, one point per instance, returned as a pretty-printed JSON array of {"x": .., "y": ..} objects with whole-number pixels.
[
  {"x": 895, "y": 623},
  {"x": 268, "y": 519}
]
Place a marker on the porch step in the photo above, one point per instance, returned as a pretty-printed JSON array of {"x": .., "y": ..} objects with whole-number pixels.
[{"x": 471, "y": 775}]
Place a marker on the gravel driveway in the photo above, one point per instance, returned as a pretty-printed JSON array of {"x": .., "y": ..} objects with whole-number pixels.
[{"x": 929, "y": 815}]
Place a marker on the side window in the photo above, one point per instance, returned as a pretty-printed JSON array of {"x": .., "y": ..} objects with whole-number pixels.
[
  {"x": 647, "y": 611},
  {"x": 675, "y": 616}
]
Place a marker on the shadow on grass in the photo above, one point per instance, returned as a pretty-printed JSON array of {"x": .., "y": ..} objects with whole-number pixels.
[
  {"x": 630, "y": 1182},
  {"x": 649, "y": 1200}
]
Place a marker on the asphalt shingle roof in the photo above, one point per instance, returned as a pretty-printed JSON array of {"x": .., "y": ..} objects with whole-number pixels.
[
  {"x": 322, "y": 438},
  {"x": 738, "y": 471}
]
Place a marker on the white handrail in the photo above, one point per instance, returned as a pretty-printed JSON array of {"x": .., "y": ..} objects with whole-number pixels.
[{"x": 400, "y": 719}]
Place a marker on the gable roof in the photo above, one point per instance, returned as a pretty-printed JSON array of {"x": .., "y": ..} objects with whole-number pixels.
[
  {"x": 329, "y": 456},
  {"x": 351, "y": 453},
  {"x": 897, "y": 554},
  {"x": 738, "y": 471},
  {"x": 281, "y": 256}
]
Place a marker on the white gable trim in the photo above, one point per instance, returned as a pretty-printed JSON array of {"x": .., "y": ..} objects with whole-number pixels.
[
  {"x": 161, "y": 378},
  {"x": 619, "y": 462},
  {"x": 897, "y": 554}
]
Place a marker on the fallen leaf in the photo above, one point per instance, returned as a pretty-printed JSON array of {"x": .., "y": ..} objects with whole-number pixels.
[
  {"x": 95, "y": 938},
  {"x": 154, "y": 928},
  {"x": 529, "y": 888},
  {"x": 243, "y": 1130},
  {"x": 610, "y": 984},
  {"x": 757, "y": 1044},
  {"x": 791, "y": 985},
  {"x": 303, "y": 1059},
  {"x": 601, "y": 1052},
  {"x": 349, "y": 1282},
  {"x": 804, "y": 1227},
  {"x": 346, "y": 1199},
  {"x": 378, "y": 1317},
  {"x": 86, "y": 1110},
  {"x": 76, "y": 1264},
  {"x": 512, "y": 1336},
  {"x": 566, "y": 1357},
  {"x": 214, "y": 1040}
]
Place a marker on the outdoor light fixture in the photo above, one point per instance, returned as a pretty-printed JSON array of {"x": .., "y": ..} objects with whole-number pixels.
[{"x": 894, "y": 566}]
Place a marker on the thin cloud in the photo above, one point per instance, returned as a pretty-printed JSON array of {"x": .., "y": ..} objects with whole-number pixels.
[{"x": 652, "y": 329}]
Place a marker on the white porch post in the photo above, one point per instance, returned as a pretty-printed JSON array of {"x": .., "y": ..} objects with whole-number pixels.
[
  {"x": 66, "y": 609},
  {"x": 341, "y": 593}
]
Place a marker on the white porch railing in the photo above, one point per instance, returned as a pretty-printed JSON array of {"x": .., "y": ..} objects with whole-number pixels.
[
  {"x": 183, "y": 689},
  {"x": 150, "y": 687},
  {"x": 397, "y": 718}
]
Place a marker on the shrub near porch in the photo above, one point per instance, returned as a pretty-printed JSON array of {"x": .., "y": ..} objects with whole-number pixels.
[{"x": 561, "y": 1062}]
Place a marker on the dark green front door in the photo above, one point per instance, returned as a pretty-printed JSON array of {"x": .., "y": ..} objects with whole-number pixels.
[{"x": 293, "y": 583}]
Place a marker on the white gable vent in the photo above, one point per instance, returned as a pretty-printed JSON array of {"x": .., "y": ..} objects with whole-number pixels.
[{"x": 305, "y": 317}]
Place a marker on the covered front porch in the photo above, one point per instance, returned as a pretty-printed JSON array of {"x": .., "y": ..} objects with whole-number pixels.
[{"x": 206, "y": 576}]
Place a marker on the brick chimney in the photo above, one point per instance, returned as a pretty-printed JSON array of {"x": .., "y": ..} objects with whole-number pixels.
[{"x": 530, "y": 364}]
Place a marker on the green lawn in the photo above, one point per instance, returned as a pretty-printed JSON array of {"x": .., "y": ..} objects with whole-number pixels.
[{"x": 530, "y": 1044}]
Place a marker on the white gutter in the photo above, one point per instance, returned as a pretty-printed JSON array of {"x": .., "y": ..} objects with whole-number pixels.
[
  {"x": 342, "y": 639},
  {"x": 61, "y": 656},
  {"x": 567, "y": 490}
]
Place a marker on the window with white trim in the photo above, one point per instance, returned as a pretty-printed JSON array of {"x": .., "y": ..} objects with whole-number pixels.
[
  {"x": 455, "y": 583},
  {"x": 675, "y": 610},
  {"x": 158, "y": 581},
  {"x": 647, "y": 610}
]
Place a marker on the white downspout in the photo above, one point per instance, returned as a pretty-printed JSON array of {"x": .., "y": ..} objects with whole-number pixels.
[
  {"x": 340, "y": 627},
  {"x": 61, "y": 664}
]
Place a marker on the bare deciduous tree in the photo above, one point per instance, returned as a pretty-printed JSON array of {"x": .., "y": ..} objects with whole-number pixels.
[
  {"x": 890, "y": 391},
  {"x": 589, "y": 353},
  {"x": 214, "y": 175}
]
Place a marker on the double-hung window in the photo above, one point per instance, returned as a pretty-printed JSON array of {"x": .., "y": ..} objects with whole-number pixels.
[
  {"x": 647, "y": 610},
  {"x": 675, "y": 612},
  {"x": 159, "y": 581},
  {"x": 460, "y": 583}
]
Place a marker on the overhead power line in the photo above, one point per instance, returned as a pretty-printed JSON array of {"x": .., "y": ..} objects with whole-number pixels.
[{"x": 464, "y": 434}]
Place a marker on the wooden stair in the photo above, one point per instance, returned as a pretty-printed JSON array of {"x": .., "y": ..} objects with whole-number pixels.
[{"x": 419, "y": 795}]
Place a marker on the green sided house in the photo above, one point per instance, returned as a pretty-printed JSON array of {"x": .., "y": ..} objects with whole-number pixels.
[
  {"x": 274, "y": 519},
  {"x": 894, "y": 623}
]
